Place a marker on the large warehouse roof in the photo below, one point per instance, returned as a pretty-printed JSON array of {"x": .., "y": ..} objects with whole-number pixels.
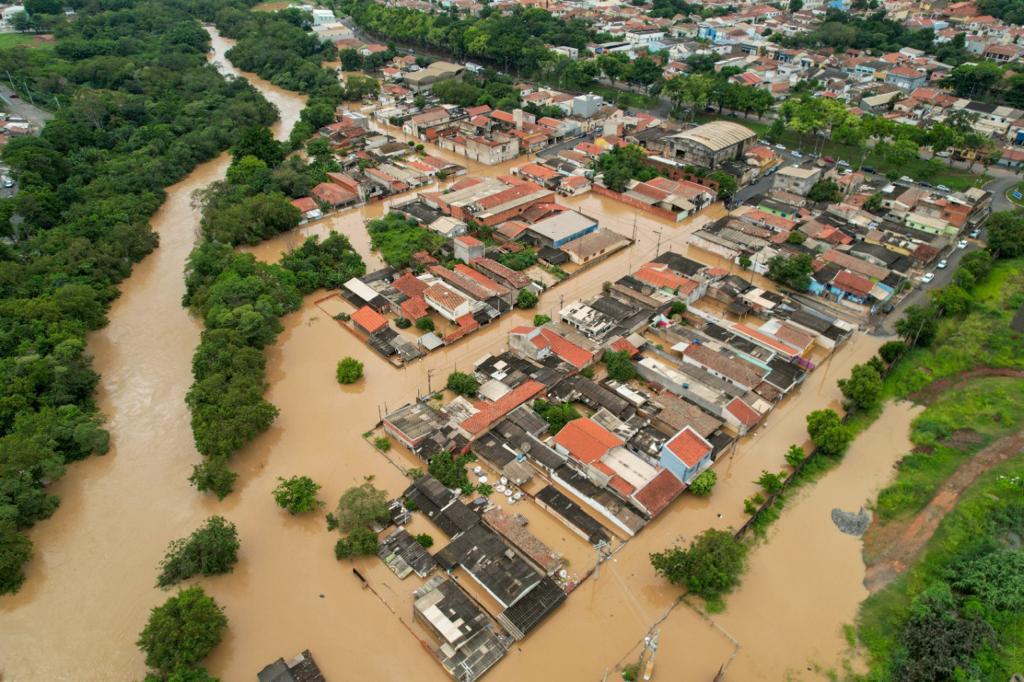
[{"x": 717, "y": 135}]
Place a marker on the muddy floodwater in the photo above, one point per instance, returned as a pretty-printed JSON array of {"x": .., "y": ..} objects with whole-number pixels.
[{"x": 91, "y": 583}]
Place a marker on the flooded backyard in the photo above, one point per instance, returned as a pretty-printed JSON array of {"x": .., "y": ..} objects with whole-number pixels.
[{"x": 91, "y": 584}]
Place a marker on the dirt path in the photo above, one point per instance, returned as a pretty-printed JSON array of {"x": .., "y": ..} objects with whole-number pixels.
[
  {"x": 901, "y": 541},
  {"x": 932, "y": 390}
]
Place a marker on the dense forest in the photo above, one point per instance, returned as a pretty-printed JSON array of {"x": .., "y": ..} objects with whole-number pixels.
[
  {"x": 139, "y": 108},
  {"x": 240, "y": 299}
]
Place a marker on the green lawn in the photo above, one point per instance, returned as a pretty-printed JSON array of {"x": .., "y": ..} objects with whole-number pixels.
[
  {"x": 16, "y": 39},
  {"x": 919, "y": 169},
  {"x": 990, "y": 408},
  {"x": 982, "y": 338}
]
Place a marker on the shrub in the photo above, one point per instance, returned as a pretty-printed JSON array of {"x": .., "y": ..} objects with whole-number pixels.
[
  {"x": 349, "y": 371},
  {"x": 772, "y": 483},
  {"x": 541, "y": 319},
  {"x": 556, "y": 415},
  {"x": 360, "y": 506},
  {"x": 891, "y": 351},
  {"x": 425, "y": 324},
  {"x": 210, "y": 550},
  {"x": 382, "y": 443},
  {"x": 526, "y": 299},
  {"x": 426, "y": 542},
  {"x": 827, "y": 432},
  {"x": 704, "y": 483},
  {"x": 403, "y": 323},
  {"x": 795, "y": 456},
  {"x": 678, "y": 309},
  {"x": 451, "y": 470},
  {"x": 863, "y": 389},
  {"x": 297, "y": 495},
  {"x": 214, "y": 476},
  {"x": 619, "y": 365},
  {"x": 485, "y": 489}
]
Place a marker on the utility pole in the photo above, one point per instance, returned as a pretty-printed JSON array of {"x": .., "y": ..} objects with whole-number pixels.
[
  {"x": 657, "y": 250},
  {"x": 430, "y": 373}
]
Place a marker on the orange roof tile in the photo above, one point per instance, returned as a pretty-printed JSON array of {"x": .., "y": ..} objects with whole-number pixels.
[{"x": 586, "y": 440}]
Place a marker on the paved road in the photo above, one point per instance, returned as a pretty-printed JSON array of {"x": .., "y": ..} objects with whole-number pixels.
[{"x": 19, "y": 107}]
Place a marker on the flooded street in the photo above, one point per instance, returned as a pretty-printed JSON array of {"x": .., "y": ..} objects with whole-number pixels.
[{"x": 90, "y": 586}]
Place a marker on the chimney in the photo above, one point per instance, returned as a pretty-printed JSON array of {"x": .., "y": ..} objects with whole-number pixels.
[{"x": 517, "y": 118}]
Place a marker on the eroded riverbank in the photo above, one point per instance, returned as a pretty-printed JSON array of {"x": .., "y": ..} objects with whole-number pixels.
[{"x": 90, "y": 586}]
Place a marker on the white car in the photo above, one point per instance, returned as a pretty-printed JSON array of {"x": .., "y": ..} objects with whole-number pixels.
[
  {"x": 927, "y": 277},
  {"x": 904, "y": 178},
  {"x": 840, "y": 162},
  {"x": 781, "y": 147},
  {"x": 942, "y": 264},
  {"x": 797, "y": 154},
  {"x": 945, "y": 154},
  {"x": 943, "y": 188},
  {"x": 975, "y": 233},
  {"x": 8, "y": 183},
  {"x": 962, "y": 244}
]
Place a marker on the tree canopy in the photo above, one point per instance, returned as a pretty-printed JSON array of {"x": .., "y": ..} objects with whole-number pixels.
[
  {"x": 212, "y": 549},
  {"x": 710, "y": 567},
  {"x": 182, "y": 631}
]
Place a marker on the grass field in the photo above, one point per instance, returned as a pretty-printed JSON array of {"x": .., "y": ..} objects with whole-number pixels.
[
  {"x": 27, "y": 39},
  {"x": 951, "y": 430}
]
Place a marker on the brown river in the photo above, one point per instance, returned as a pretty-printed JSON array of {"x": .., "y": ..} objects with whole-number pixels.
[{"x": 91, "y": 583}]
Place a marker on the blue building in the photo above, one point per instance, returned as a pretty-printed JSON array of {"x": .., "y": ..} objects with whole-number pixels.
[{"x": 686, "y": 454}]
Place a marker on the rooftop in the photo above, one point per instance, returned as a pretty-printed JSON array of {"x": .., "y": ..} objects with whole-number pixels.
[{"x": 717, "y": 135}]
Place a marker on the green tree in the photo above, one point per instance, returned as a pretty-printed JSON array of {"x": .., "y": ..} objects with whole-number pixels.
[
  {"x": 182, "y": 631},
  {"x": 951, "y": 300},
  {"x": 863, "y": 389},
  {"x": 710, "y": 567},
  {"x": 828, "y": 433},
  {"x": 619, "y": 365},
  {"x": 349, "y": 370},
  {"x": 462, "y": 383},
  {"x": 772, "y": 483},
  {"x": 890, "y": 351},
  {"x": 15, "y": 551},
  {"x": 359, "y": 507},
  {"x": 918, "y": 326},
  {"x": 451, "y": 470},
  {"x": 1006, "y": 233},
  {"x": 212, "y": 549},
  {"x": 873, "y": 203},
  {"x": 795, "y": 456},
  {"x": 704, "y": 483},
  {"x": 825, "y": 190},
  {"x": 425, "y": 324},
  {"x": 213, "y": 476},
  {"x": 541, "y": 319},
  {"x": 259, "y": 142},
  {"x": 793, "y": 271},
  {"x": 426, "y": 542},
  {"x": 359, "y": 542},
  {"x": 526, "y": 299},
  {"x": 556, "y": 415},
  {"x": 297, "y": 495},
  {"x": 726, "y": 184}
]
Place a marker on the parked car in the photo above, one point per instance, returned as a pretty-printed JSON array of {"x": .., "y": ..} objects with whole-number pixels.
[
  {"x": 8, "y": 183},
  {"x": 943, "y": 188},
  {"x": 868, "y": 169},
  {"x": 888, "y": 308},
  {"x": 927, "y": 277},
  {"x": 975, "y": 233},
  {"x": 907, "y": 179},
  {"x": 962, "y": 244},
  {"x": 843, "y": 163},
  {"x": 945, "y": 154},
  {"x": 924, "y": 184},
  {"x": 941, "y": 265},
  {"x": 780, "y": 147},
  {"x": 797, "y": 154},
  {"x": 828, "y": 159}
]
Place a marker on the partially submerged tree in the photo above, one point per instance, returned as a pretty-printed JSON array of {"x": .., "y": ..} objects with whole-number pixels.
[
  {"x": 182, "y": 632},
  {"x": 297, "y": 495},
  {"x": 710, "y": 567},
  {"x": 211, "y": 550}
]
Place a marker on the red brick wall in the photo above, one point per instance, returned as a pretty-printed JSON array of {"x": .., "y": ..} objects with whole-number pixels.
[{"x": 654, "y": 210}]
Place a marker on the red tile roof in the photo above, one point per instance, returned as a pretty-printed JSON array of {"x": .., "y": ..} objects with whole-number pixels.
[
  {"x": 443, "y": 296},
  {"x": 659, "y": 492},
  {"x": 491, "y": 413},
  {"x": 481, "y": 279},
  {"x": 853, "y": 283},
  {"x": 369, "y": 319},
  {"x": 586, "y": 440},
  {"x": 414, "y": 308},
  {"x": 743, "y": 412},
  {"x": 410, "y": 285},
  {"x": 659, "y": 275},
  {"x": 304, "y": 204},
  {"x": 624, "y": 345},
  {"x": 688, "y": 447}
]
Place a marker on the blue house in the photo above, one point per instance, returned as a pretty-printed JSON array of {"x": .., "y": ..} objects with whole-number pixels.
[{"x": 686, "y": 454}]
